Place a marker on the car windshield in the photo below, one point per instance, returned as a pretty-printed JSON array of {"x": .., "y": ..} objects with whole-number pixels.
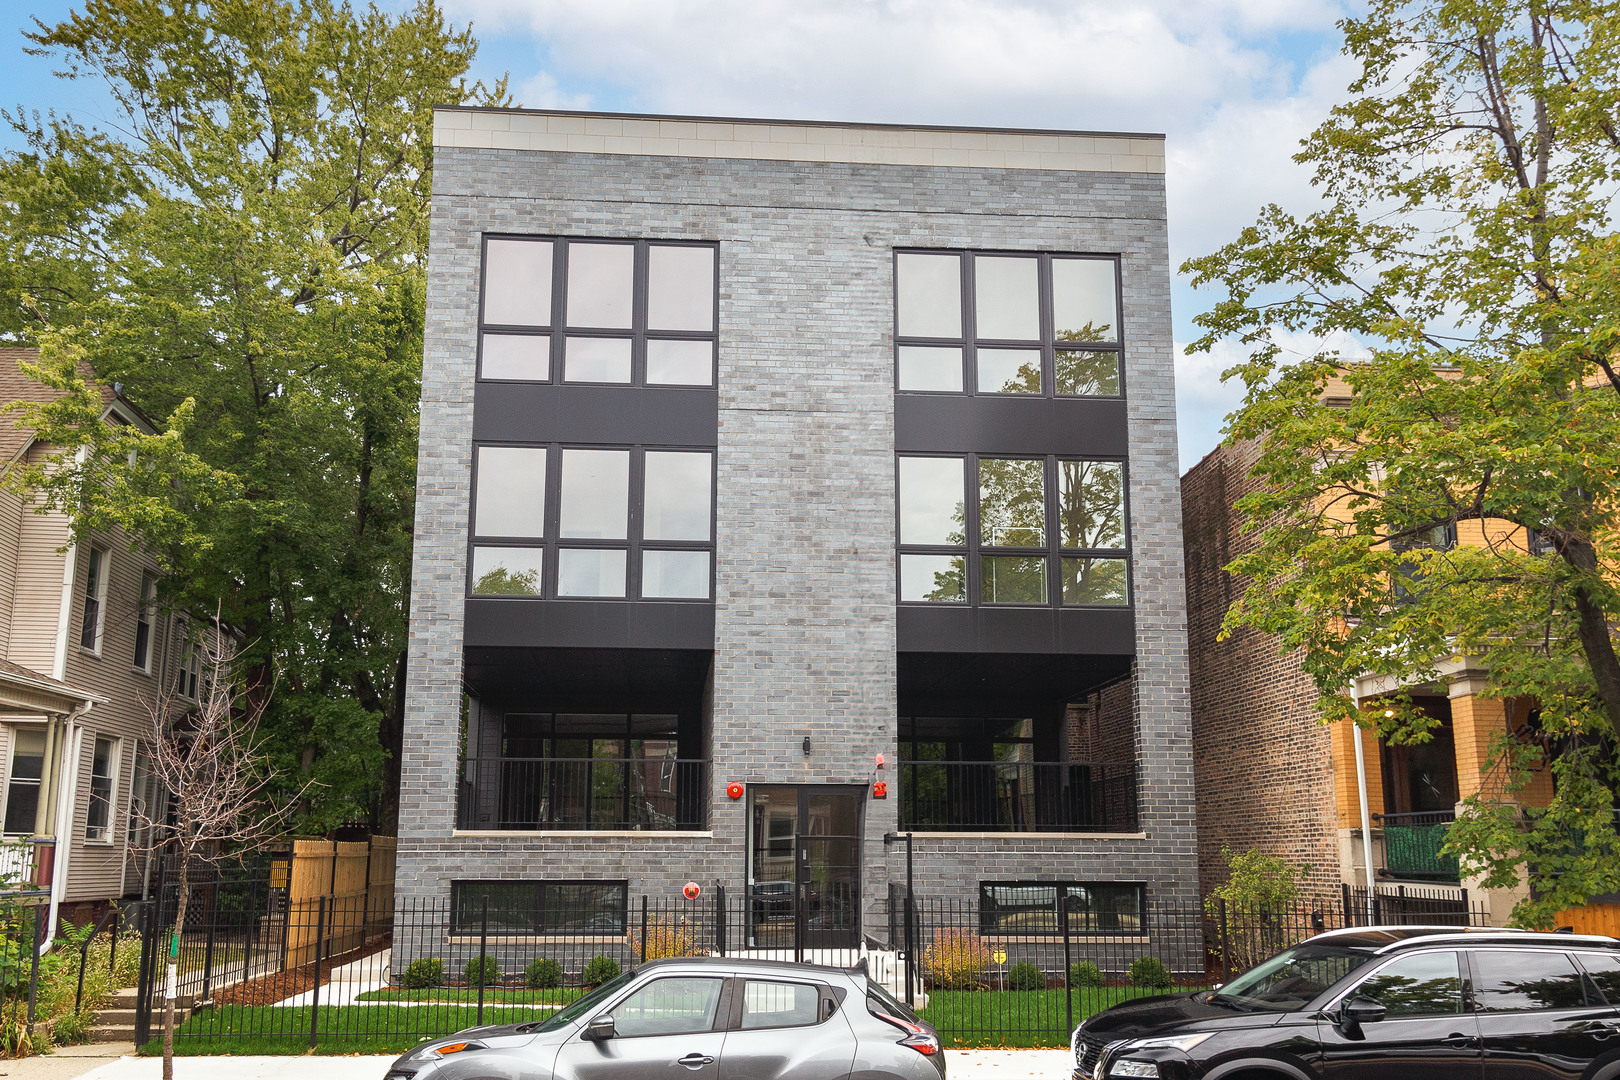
[
  {"x": 579, "y": 1008},
  {"x": 1291, "y": 978}
]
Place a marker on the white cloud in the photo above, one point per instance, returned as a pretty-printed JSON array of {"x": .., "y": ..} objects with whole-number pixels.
[{"x": 541, "y": 91}]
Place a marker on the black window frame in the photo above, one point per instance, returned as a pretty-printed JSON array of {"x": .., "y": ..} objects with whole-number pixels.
[
  {"x": 1060, "y": 925},
  {"x": 557, "y": 331},
  {"x": 1053, "y": 552},
  {"x": 634, "y": 543},
  {"x": 969, "y": 342},
  {"x": 540, "y": 886}
]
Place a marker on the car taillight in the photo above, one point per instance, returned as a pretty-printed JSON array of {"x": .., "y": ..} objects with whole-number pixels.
[{"x": 920, "y": 1039}]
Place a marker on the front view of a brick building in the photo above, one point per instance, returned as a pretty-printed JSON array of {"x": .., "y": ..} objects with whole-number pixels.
[{"x": 785, "y": 488}]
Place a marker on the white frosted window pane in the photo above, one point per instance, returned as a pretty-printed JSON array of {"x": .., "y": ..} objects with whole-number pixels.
[
  {"x": 929, "y": 295},
  {"x": 600, "y": 280},
  {"x": 507, "y": 571},
  {"x": 933, "y": 578},
  {"x": 1083, "y": 302},
  {"x": 1009, "y": 371},
  {"x": 1007, "y": 298},
  {"x": 675, "y": 575},
  {"x": 677, "y": 496},
  {"x": 510, "y": 499},
  {"x": 925, "y": 368},
  {"x": 932, "y": 497},
  {"x": 590, "y": 572},
  {"x": 680, "y": 363},
  {"x": 595, "y": 493},
  {"x": 680, "y": 288},
  {"x": 517, "y": 356},
  {"x": 603, "y": 360},
  {"x": 517, "y": 283}
]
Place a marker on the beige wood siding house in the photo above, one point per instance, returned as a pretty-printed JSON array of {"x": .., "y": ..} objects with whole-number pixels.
[{"x": 79, "y": 617}]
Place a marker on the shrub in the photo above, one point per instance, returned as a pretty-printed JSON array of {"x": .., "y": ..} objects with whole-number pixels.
[
  {"x": 71, "y": 1029},
  {"x": 482, "y": 970},
  {"x": 1025, "y": 976},
  {"x": 955, "y": 958},
  {"x": 667, "y": 938},
  {"x": 1150, "y": 972},
  {"x": 1085, "y": 973},
  {"x": 600, "y": 970},
  {"x": 1262, "y": 895},
  {"x": 428, "y": 971},
  {"x": 543, "y": 973}
]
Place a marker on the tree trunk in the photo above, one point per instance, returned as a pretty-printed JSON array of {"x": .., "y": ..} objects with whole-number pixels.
[
  {"x": 184, "y": 894},
  {"x": 1594, "y": 630}
]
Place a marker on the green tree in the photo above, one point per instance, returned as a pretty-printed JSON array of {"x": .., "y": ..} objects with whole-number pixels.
[
  {"x": 1466, "y": 237},
  {"x": 243, "y": 249}
]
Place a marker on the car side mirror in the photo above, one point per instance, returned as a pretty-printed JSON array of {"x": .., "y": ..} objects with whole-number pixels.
[
  {"x": 1357, "y": 1011},
  {"x": 600, "y": 1029}
]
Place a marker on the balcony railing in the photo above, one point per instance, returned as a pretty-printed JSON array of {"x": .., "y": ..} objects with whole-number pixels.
[
  {"x": 1412, "y": 845},
  {"x": 583, "y": 793},
  {"x": 1017, "y": 796}
]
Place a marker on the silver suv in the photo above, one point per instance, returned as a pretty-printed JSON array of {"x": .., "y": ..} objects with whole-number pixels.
[{"x": 711, "y": 1019}]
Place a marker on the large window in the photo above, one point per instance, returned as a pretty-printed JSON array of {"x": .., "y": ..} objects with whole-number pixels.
[
  {"x": 95, "y": 600},
  {"x": 1043, "y": 907},
  {"x": 598, "y": 311},
  {"x": 1007, "y": 323},
  {"x": 22, "y": 781},
  {"x": 583, "y": 522},
  {"x": 145, "y": 611},
  {"x": 103, "y": 773},
  {"x": 1003, "y": 530},
  {"x": 539, "y": 907}
]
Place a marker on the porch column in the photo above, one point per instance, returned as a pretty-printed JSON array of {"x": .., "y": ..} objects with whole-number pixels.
[{"x": 1476, "y": 722}]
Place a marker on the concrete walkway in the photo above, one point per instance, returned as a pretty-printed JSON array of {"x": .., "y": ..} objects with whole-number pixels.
[
  {"x": 94, "y": 1063},
  {"x": 349, "y": 981}
]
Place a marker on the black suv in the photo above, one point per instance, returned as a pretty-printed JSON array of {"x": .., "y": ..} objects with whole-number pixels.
[{"x": 1381, "y": 1003}]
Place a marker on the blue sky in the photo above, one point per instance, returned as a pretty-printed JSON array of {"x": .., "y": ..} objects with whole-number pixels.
[{"x": 1234, "y": 84}]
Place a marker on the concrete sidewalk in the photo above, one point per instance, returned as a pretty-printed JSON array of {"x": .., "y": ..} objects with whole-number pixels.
[{"x": 97, "y": 1063}]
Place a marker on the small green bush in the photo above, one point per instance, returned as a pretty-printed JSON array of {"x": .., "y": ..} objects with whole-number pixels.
[
  {"x": 71, "y": 1029},
  {"x": 543, "y": 973},
  {"x": 425, "y": 973},
  {"x": 1085, "y": 973},
  {"x": 1025, "y": 976},
  {"x": 1150, "y": 972},
  {"x": 482, "y": 970},
  {"x": 600, "y": 970}
]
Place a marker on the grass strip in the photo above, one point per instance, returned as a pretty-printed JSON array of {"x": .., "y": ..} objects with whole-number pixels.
[
  {"x": 340, "y": 1029},
  {"x": 1020, "y": 1018}
]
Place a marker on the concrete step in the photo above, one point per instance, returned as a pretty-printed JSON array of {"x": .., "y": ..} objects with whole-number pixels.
[
  {"x": 125, "y": 998},
  {"x": 111, "y": 1033},
  {"x": 116, "y": 1016}
]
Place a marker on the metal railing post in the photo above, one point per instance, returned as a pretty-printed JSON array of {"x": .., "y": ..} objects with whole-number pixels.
[
  {"x": 483, "y": 959},
  {"x": 911, "y": 947},
  {"x": 315, "y": 994},
  {"x": 643, "y": 928},
  {"x": 720, "y": 919},
  {"x": 33, "y": 969},
  {"x": 1068, "y": 969},
  {"x": 1226, "y": 946},
  {"x": 208, "y": 946}
]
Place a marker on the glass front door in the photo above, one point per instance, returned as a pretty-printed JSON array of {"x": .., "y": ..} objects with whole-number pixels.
[{"x": 804, "y": 866}]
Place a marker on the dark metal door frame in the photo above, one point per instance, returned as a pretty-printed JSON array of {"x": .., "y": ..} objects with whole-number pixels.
[{"x": 801, "y": 932}]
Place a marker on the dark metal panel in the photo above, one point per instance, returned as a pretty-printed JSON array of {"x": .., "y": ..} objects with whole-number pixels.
[
  {"x": 590, "y": 680},
  {"x": 589, "y": 624},
  {"x": 964, "y": 629},
  {"x": 529, "y": 412},
  {"x": 939, "y": 684},
  {"x": 1092, "y": 427}
]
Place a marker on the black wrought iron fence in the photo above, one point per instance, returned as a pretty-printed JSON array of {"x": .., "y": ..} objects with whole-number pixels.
[
  {"x": 1017, "y": 796},
  {"x": 583, "y": 793},
  {"x": 261, "y": 973}
]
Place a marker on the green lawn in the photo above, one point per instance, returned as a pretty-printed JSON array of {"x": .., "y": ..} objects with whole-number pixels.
[
  {"x": 459, "y": 994},
  {"x": 343, "y": 1029},
  {"x": 970, "y": 1018}
]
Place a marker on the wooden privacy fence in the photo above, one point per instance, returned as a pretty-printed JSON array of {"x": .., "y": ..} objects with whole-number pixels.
[{"x": 339, "y": 895}]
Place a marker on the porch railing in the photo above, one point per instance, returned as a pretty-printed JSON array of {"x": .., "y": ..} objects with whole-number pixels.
[
  {"x": 1412, "y": 844},
  {"x": 1017, "y": 796},
  {"x": 583, "y": 793}
]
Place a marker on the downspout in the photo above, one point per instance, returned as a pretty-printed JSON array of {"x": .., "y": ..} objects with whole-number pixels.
[{"x": 1366, "y": 818}]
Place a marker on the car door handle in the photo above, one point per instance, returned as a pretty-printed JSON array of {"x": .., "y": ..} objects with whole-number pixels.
[
  {"x": 1458, "y": 1039},
  {"x": 1598, "y": 1029},
  {"x": 695, "y": 1061}
]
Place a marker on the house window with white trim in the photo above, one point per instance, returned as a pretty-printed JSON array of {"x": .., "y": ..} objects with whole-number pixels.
[
  {"x": 144, "y": 615},
  {"x": 22, "y": 779},
  {"x": 103, "y": 772},
  {"x": 190, "y": 666},
  {"x": 95, "y": 601}
]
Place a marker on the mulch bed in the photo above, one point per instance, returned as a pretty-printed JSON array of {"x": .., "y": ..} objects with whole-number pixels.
[{"x": 269, "y": 989}]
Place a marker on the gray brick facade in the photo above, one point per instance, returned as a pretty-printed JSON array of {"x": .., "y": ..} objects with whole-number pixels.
[{"x": 805, "y": 614}]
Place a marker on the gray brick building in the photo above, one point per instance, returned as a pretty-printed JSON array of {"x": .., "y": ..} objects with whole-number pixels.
[{"x": 786, "y": 489}]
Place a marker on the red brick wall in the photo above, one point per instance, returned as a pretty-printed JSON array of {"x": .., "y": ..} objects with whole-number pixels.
[
  {"x": 1103, "y": 726},
  {"x": 1262, "y": 764}
]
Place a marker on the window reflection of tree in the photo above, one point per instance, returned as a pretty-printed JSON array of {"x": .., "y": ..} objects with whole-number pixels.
[
  {"x": 502, "y": 581},
  {"x": 1087, "y": 372},
  {"x": 1404, "y": 996}
]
